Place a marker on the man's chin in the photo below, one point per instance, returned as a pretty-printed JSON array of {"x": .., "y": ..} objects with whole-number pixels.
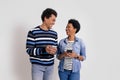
[{"x": 50, "y": 26}]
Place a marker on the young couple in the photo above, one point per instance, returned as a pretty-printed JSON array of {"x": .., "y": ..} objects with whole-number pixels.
[{"x": 42, "y": 45}]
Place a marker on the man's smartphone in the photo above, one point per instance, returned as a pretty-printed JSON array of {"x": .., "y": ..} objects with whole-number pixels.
[
  {"x": 54, "y": 46},
  {"x": 69, "y": 51}
]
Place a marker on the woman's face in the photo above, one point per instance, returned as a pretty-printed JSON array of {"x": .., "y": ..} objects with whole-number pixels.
[{"x": 70, "y": 30}]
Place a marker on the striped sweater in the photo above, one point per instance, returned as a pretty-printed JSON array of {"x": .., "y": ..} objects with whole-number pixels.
[{"x": 37, "y": 40}]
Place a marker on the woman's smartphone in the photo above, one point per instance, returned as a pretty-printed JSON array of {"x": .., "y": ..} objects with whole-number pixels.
[{"x": 69, "y": 51}]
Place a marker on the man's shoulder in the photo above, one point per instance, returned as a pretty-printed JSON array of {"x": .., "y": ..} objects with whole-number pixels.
[
  {"x": 52, "y": 30},
  {"x": 34, "y": 28}
]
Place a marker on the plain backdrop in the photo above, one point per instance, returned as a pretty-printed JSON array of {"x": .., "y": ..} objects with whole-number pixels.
[{"x": 100, "y": 26}]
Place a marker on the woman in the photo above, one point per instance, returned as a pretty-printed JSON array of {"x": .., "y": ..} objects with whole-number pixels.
[{"x": 71, "y": 51}]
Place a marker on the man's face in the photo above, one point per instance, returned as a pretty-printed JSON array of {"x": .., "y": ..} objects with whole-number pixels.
[{"x": 50, "y": 21}]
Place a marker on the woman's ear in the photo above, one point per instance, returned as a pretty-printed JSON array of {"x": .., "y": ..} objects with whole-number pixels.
[{"x": 75, "y": 30}]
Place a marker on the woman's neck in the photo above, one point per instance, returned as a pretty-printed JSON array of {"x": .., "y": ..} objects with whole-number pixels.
[{"x": 71, "y": 38}]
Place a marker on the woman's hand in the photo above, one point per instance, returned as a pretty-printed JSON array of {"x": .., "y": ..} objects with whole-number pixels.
[
  {"x": 61, "y": 56},
  {"x": 72, "y": 55}
]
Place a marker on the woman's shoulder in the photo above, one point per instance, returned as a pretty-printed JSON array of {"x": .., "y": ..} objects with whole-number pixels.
[
  {"x": 63, "y": 39},
  {"x": 79, "y": 39}
]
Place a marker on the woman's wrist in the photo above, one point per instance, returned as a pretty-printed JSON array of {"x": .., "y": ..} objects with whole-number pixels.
[{"x": 77, "y": 56}]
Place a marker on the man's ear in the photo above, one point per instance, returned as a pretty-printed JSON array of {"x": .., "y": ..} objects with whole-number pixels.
[{"x": 45, "y": 18}]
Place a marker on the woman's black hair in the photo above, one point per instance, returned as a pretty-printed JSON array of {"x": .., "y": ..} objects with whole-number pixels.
[{"x": 75, "y": 24}]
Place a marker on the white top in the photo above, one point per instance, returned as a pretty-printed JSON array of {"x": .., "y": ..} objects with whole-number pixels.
[{"x": 68, "y": 60}]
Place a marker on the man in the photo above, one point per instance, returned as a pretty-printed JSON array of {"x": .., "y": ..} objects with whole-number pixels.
[{"x": 41, "y": 46}]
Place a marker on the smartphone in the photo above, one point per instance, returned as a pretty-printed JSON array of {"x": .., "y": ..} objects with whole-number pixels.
[{"x": 69, "y": 51}]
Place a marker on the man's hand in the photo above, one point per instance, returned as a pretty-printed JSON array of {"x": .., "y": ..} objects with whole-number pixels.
[{"x": 51, "y": 49}]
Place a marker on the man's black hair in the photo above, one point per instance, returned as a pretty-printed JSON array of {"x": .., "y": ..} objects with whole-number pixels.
[{"x": 47, "y": 13}]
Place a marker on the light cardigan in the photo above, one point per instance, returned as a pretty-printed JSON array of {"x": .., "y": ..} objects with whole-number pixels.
[{"x": 78, "y": 47}]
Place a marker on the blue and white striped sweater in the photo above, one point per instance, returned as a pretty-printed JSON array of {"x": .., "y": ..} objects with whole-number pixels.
[{"x": 37, "y": 40}]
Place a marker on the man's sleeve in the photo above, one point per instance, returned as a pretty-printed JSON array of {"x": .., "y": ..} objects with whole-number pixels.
[{"x": 31, "y": 48}]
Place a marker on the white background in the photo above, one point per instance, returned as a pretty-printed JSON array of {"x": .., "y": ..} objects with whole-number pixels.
[{"x": 100, "y": 22}]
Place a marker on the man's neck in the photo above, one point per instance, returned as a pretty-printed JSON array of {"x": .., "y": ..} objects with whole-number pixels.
[{"x": 44, "y": 27}]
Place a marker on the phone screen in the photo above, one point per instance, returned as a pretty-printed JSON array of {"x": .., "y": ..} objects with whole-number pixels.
[{"x": 69, "y": 51}]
